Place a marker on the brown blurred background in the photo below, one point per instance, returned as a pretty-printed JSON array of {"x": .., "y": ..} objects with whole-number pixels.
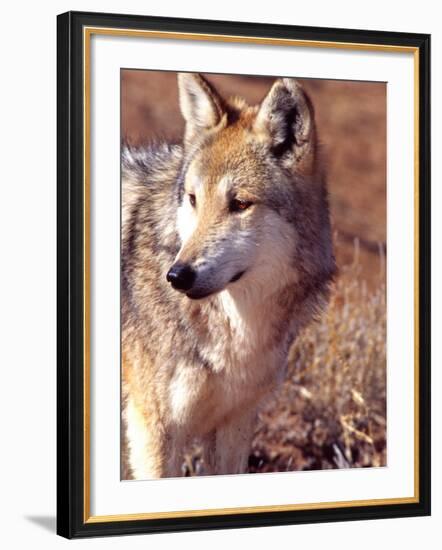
[{"x": 331, "y": 411}]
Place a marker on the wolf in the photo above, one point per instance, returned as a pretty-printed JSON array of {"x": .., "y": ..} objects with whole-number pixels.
[{"x": 226, "y": 255}]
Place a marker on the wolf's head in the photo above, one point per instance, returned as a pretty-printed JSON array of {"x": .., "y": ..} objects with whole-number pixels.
[{"x": 253, "y": 206}]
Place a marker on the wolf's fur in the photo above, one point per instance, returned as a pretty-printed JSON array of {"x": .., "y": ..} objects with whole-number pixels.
[{"x": 201, "y": 367}]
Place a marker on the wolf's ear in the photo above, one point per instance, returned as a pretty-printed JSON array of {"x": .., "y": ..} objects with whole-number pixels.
[
  {"x": 201, "y": 106},
  {"x": 285, "y": 120}
]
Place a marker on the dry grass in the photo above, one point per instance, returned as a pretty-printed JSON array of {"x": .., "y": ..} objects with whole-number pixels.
[{"x": 331, "y": 411}]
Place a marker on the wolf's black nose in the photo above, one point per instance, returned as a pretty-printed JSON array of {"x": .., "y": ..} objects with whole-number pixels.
[{"x": 181, "y": 276}]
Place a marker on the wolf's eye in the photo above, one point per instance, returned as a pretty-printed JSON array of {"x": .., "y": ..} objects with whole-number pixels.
[
  {"x": 237, "y": 205},
  {"x": 192, "y": 199}
]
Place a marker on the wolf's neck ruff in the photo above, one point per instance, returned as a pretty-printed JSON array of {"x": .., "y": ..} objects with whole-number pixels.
[{"x": 257, "y": 324}]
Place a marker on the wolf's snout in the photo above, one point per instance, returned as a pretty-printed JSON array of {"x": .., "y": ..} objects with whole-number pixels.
[{"x": 181, "y": 276}]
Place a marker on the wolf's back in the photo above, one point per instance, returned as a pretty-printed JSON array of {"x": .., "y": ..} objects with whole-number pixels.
[
  {"x": 149, "y": 242},
  {"x": 149, "y": 184}
]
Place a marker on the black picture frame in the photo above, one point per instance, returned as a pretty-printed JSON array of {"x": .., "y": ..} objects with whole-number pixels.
[{"x": 71, "y": 519}]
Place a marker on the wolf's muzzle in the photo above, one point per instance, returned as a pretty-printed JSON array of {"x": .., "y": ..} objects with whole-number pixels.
[{"x": 181, "y": 277}]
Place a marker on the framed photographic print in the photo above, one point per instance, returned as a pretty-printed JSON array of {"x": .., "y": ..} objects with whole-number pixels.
[{"x": 243, "y": 274}]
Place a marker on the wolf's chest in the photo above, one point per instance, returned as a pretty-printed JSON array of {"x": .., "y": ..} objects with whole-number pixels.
[
  {"x": 203, "y": 399},
  {"x": 246, "y": 361}
]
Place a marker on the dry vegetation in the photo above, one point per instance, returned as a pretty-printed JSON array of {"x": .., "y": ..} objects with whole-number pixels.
[{"x": 331, "y": 411}]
